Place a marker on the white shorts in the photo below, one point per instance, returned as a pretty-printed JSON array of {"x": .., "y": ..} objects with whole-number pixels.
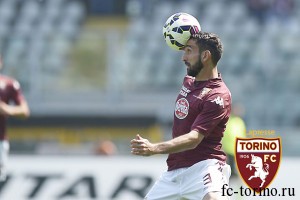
[
  {"x": 191, "y": 183},
  {"x": 4, "y": 150}
]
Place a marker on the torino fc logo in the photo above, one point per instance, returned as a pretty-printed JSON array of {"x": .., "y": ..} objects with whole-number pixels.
[
  {"x": 258, "y": 160},
  {"x": 181, "y": 108}
]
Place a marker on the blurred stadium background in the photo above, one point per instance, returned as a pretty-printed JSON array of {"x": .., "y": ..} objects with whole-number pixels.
[{"x": 98, "y": 70}]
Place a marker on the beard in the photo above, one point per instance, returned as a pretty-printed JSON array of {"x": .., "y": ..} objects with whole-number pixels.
[{"x": 194, "y": 70}]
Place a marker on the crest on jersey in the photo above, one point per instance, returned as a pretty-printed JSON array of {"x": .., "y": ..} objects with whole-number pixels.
[
  {"x": 182, "y": 108},
  {"x": 258, "y": 160},
  {"x": 204, "y": 91}
]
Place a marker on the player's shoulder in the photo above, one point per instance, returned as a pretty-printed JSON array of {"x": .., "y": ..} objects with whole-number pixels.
[
  {"x": 221, "y": 91},
  {"x": 219, "y": 96},
  {"x": 9, "y": 81},
  {"x": 218, "y": 86}
]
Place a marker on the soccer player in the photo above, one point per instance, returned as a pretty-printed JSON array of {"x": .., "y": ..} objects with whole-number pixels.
[
  {"x": 12, "y": 103},
  {"x": 197, "y": 166}
]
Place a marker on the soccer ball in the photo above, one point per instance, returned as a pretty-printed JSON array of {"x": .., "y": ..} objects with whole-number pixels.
[{"x": 178, "y": 29}]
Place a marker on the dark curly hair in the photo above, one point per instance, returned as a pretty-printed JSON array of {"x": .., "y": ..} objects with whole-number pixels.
[{"x": 211, "y": 42}]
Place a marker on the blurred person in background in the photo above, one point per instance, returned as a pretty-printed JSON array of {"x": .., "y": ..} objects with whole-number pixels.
[
  {"x": 106, "y": 148},
  {"x": 283, "y": 9},
  {"x": 259, "y": 9},
  {"x": 266, "y": 10},
  {"x": 12, "y": 104},
  {"x": 235, "y": 127},
  {"x": 197, "y": 166}
]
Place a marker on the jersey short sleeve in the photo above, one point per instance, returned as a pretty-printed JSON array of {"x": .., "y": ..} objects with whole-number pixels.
[
  {"x": 215, "y": 111},
  {"x": 16, "y": 93}
]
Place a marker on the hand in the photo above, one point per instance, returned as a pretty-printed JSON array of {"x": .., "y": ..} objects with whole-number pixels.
[{"x": 141, "y": 146}]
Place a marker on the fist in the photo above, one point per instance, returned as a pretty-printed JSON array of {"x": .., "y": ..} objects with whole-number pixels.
[{"x": 141, "y": 146}]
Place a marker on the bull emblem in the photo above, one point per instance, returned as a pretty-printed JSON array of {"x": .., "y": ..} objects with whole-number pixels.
[{"x": 261, "y": 169}]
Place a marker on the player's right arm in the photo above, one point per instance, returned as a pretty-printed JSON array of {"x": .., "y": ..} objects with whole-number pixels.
[
  {"x": 21, "y": 110},
  {"x": 142, "y": 146}
]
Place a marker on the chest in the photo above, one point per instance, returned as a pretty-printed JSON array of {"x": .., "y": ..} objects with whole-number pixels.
[{"x": 189, "y": 102}]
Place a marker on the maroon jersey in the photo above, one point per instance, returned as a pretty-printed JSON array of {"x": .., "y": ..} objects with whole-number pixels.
[
  {"x": 203, "y": 106},
  {"x": 10, "y": 92}
]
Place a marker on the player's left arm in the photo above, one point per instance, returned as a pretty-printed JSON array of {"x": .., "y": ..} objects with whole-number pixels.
[{"x": 142, "y": 146}]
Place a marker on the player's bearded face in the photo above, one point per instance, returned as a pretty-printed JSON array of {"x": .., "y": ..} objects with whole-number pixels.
[{"x": 194, "y": 70}]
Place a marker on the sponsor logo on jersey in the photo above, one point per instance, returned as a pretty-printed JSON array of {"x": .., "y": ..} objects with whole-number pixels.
[
  {"x": 258, "y": 160},
  {"x": 219, "y": 101},
  {"x": 184, "y": 91},
  {"x": 181, "y": 108}
]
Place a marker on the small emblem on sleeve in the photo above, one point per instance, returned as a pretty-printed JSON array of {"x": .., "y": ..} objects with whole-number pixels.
[
  {"x": 204, "y": 92},
  {"x": 219, "y": 101}
]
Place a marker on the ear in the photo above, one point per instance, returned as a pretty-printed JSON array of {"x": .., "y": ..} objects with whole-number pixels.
[{"x": 205, "y": 55}]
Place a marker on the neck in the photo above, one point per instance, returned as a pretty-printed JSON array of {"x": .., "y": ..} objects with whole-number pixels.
[{"x": 207, "y": 73}]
